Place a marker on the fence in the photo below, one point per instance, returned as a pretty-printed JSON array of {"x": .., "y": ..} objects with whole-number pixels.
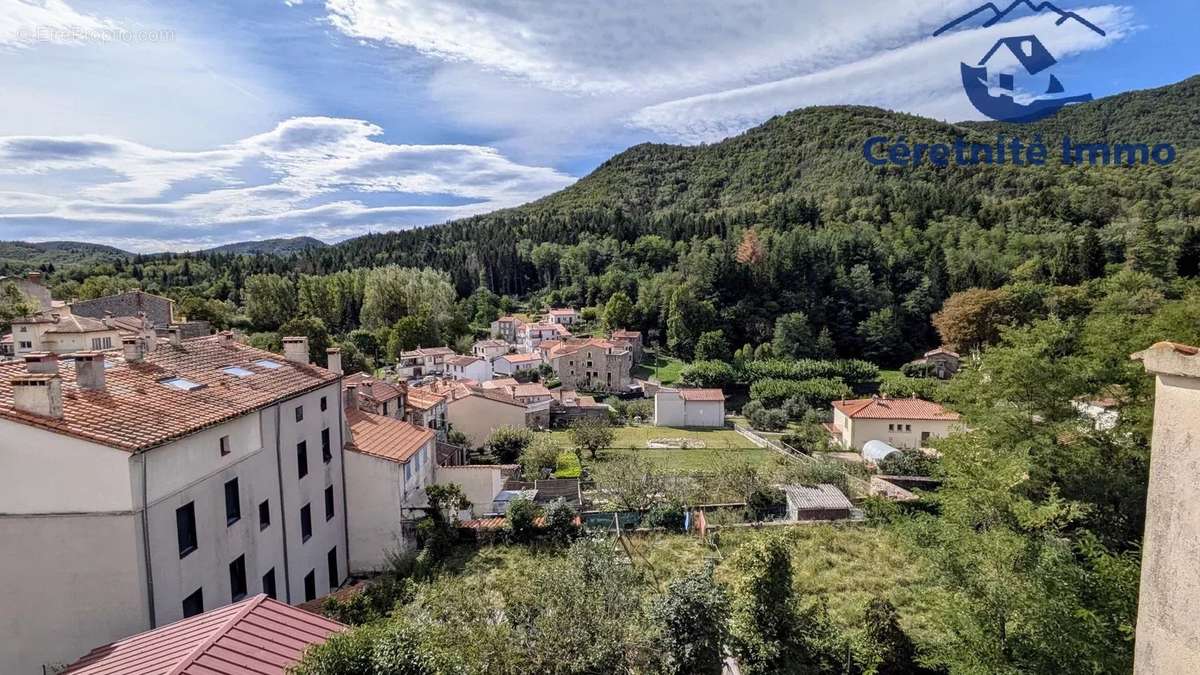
[{"x": 856, "y": 485}]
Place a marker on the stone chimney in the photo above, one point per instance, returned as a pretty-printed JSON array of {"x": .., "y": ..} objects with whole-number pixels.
[
  {"x": 38, "y": 395},
  {"x": 295, "y": 349},
  {"x": 1170, "y": 586},
  {"x": 176, "y": 336},
  {"x": 41, "y": 363},
  {"x": 335, "y": 360},
  {"x": 351, "y": 397},
  {"x": 89, "y": 371},
  {"x": 134, "y": 348},
  {"x": 225, "y": 338},
  {"x": 34, "y": 277}
]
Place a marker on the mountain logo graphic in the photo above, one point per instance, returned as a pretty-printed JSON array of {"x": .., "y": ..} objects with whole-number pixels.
[{"x": 1032, "y": 55}]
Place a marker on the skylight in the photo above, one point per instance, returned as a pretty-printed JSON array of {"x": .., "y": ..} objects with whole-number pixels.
[
  {"x": 182, "y": 384},
  {"x": 268, "y": 364},
  {"x": 237, "y": 371}
]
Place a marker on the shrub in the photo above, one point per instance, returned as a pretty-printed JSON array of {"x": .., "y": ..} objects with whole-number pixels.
[
  {"x": 908, "y": 463},
  {"x": 560, "y": 521},
  {"x": 568, "y": 465},
  {"x": 667, "y": 515},
  {"x": 540, "y": 457},
  {"x": 849, "y": 371},
  {"x": 814, "y": 393},
  {"x": 765, "y": 419},
  {"x": 808, "y": 439},
  {"x": 520, "y": 521},
  {"x": 506, "y": 443},
  {"x": 710, "y": 374}
]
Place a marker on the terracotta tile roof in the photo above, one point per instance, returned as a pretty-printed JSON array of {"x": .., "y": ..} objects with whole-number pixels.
[
  {"x": 626, "y": 334},
  {"x": 421, "y": 398},
  {"x": 385, "y": 437},
  {"x": 136, "y": 411},
  {"x": 521, "y": 358},
  {"x": 499, "y": 383},
  {"x": 530, "y": 389},
  {"x": 895, "y": 408},
  {"x": 491, "y": 343},
  {"x": 567, "y": 311},
  {"x": 702, "y": 394},
  {"x": 941, "y": 350},
  {"x": 69, "y": 323},
  {"x": 372, "y": 388},
  {"x": 258, "y": 635},
  {"x": 463, "y": 361}
]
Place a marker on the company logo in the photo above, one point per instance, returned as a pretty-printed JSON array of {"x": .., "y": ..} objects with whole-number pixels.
[{"x": 1030, "y": 54}]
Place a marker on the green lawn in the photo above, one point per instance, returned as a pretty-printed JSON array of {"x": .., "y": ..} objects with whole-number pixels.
[
  {"x": 668, "y": 369},
  {"x": 638, "y": 437},
  {"x": 686, "y": 461},
  {"x": 846, "y": 565},
  {"x": 719, "y": 445}
]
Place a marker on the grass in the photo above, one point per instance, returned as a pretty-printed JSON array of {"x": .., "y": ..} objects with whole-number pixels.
[
  {"x": 719, "y": 445},
  {"x": 844, "y": 565},
  {"x": 668, "y": 372},
  {"x": 638, "y": 437},
  {"x": 686, "y": 461}
]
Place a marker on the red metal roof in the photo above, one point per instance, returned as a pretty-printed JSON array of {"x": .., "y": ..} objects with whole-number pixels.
[
  {"x": 894, "y": 409},
  {"x": 258, "y": 635}
]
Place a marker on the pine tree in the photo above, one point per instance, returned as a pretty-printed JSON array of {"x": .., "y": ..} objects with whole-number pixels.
[{"x": 1091, "y": 255}]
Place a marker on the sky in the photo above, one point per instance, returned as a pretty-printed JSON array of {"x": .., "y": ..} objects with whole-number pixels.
[{"x": 157, "y": 125}]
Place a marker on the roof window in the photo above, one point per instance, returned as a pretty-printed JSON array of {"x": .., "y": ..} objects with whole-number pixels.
[
  {"x": 237, "y": 371},
  {"x": 182, "y": 384}
]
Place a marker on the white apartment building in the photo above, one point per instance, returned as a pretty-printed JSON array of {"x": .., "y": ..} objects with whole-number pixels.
[
  {"x": 140, "y": 490},
  {"x": 490, "y": 349},
  {"x": 468, "y": 368},
  {"x": 423, "y": 361}
]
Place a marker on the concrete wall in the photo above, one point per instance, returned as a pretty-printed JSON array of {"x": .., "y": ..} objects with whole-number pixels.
[
  {"x": 480, "y": 484},
  {"x": 382, "y": 496},
  {"x": 1168, "y": 629},
  {"x": 477, "y": 416}
]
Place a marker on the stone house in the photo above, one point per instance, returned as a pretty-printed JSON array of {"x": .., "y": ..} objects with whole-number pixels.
[{"x": 592, "y": 364}]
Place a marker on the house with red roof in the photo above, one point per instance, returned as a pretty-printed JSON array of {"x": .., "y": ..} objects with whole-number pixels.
[
  {"x": 689, "y": 408},
  {"x": 898, "y": 422},
  {"x": 259, "y": 635}
]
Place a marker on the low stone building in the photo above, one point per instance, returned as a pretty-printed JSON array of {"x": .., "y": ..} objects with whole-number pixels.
[
  {"x": 940, "y": 363},
  {"x": 159, "y": 310},
  {"x": 591, "y": 364}
]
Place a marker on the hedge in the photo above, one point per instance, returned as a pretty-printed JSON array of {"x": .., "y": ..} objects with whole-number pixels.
[{"x": 817, "y": 393}]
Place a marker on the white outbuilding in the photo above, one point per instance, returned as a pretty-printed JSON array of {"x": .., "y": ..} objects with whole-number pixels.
[{"x": 689, "y": 408}]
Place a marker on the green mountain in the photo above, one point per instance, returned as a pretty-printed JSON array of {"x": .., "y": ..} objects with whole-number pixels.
[
  {"x": 270, "y": 246},
  {"x": 17, "y": 256}
]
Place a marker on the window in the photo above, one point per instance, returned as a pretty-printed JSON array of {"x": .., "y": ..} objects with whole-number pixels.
[
  {"x": 331, "y": 562},
  {"x": 181, "y": 384},
  {"x": 194, "y": 603},
  {"x": 908, "y": 427},
  {"x": 225, "y": 447},
  {"x": 407, "y": 472},
  {"x": 306, "y": 523},
  {"x": 268, "y": 586},
  {"x": 233, "y": 503},
  {"x": 326, "y": 450},
  {"x": 268, "y": 364},
  {"x": 237, "y": 579},
  {"x": 302, "y": 458},
  {"x": 329, "y": 503},
  {"x": 310, "y": 586},
  {"x": 236, "y": 371},
  {"x": 102, "y": 343},
  {"x": 891, "y": 427},
  {"x": 299, "y": 413},
  {"x": 324, "y": 403},
  {"x": 185, "y": 528},
  {"x": 24, "y": 344},
  {"x": 264, "y": 514}
]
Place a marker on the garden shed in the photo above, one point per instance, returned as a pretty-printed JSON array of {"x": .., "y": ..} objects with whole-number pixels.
[{"x": 816, "y": 502}]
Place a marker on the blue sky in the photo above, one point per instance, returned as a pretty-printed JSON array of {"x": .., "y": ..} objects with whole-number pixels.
[{"x": 156, "y": 125}]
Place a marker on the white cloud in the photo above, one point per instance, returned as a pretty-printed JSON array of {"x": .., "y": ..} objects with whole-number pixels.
[
  {"x": 922, "y": 77},
  {"x": 326, "y": 177},
  {"x": 24, "y": 23}
]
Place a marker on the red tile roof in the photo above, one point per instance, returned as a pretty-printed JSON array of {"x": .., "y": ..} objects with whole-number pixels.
[
  {"x": 372, "y": 388},
  {"x": 385, "y": 437},
  {"x": 895, "y": 409},
  {"x": 258, "y": 635},
  {"x": 463, "y": 361},
  {"x": 136, "y": 411},
  {"x": 702, "y": 394},
  {"x": 421, "y": 398},
  {"x": 521, "y": 358}
]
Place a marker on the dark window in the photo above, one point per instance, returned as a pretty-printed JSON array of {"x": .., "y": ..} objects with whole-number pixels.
[
  {"x": 269, "y": 583},
  {"x": 225, "y": 449},
  {"x": 237, "y": 579},
  {"x": 326, "y": 450},
  {"x": 233, "y": 502},
  {"x": 194, "y": 603},
  {"x": 305, "y": 522},
  {"x": 329, "y": 503},
  {"x": 185, "y": 527},
  {"x": 264, "y": 514},
  {"x": 310, "y": 586},
  {"x": 324, "y": 403},
  {"x": 302, "y": 458},
  {"x": 331, "y": 561},
  {"x": 299, "y": 413}
]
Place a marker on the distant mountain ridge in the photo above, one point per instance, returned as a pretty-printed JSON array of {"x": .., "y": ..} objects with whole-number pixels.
[{"x": 279, "y": 246}]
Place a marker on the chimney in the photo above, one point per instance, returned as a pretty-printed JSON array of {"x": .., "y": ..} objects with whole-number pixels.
[
  {"x": 41, "y": 363},
  {"x": 34, "y": 277},
  {"x": 295, "y": 349},
  {"x": 134, "y": 348},
  {"x": 351, "y": 397},
  {"x": 89, "y": 371},
  {"x": 38, "y": 395},
  {"x": 335, "y": 360},
  {"x": 176, "y": 336},
  {"x": 225, "y": 338}
]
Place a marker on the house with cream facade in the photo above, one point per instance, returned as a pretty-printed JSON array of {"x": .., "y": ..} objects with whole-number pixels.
[
  {"x": 148, "y": 485},
  {"x": 461, "y": 367},
  {"x": 60, "y": 332},
  {"x": 899, "y": 422}
]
